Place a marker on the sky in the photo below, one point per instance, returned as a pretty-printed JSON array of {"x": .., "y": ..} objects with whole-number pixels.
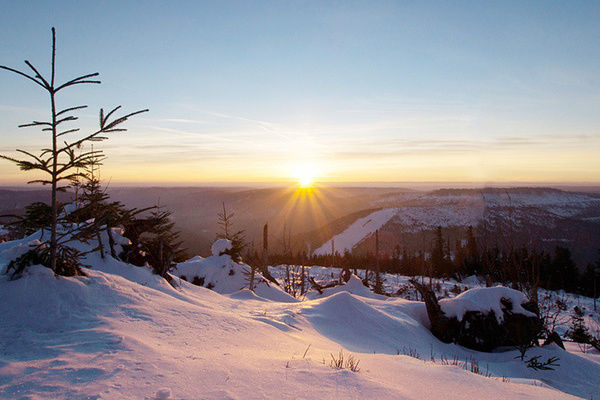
[{"x": 347, "y": 91}]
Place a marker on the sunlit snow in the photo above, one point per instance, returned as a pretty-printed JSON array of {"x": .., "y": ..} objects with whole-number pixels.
[{"x": 123, "y": 333}]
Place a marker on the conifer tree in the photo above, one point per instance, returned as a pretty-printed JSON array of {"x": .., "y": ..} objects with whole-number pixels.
[
  {"x": 38, "y": 215},
  {"x": 579, "y": 332},
  {"x": 564, "y": 269},
  {"x": 438, "y": 254},
  {"x": 60, "y": 162},
  {"x": 160, "y": 244},
  {"x": 225, "y": 223}
]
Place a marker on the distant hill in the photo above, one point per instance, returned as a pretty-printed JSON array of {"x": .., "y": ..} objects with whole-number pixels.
[
  {"x": 14, "y": 201},
  {"x": 540, "y": 218}
]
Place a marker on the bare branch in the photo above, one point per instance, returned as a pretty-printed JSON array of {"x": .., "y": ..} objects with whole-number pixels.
[
  {"x": 34, "y": 157},
  {"x": 35, "y": 123},
  {"x": 65, "y": 119},
  {"x": 77, "y": 81},
  {"x": 104, "y": 119},
  {"x": 70, "y": 109},
  {"x": 43, "y": 182},
  {"x": 45, "y": 85},
  {"x": 115, "y": 130},
  {"x": 122, "y": 119},
  {"x": 9, "y": 158},
  {"x": 25, "y": 165},
  {"x": 69, "y": 131},
  {"x": 23, "y": 74},
  {"x": 94, "y": 137},
  {"x": 45, "y": 151},
  {"x": 53, "y": 55}
]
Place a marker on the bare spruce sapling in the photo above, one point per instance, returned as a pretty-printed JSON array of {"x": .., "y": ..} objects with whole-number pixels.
[{"x": 60, "y": 162}]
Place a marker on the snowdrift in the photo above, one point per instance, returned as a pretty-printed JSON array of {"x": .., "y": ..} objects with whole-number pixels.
[
  {"x": 354, "y": 286},
  {"x": 221, "y": 274},
  {"x": 123, "y": 333}
]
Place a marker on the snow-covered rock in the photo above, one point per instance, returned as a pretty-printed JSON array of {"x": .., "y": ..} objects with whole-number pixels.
[
  {"x": 221, "y": 246},
  {"x": 486, "y": 300},
  {"x": 483, "y": 318}
]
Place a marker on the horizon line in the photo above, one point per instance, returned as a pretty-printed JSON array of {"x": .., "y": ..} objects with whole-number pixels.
[{"x": 341, "y": 184}]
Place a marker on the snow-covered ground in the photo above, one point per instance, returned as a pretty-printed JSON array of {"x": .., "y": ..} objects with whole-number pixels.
[
  {"x": 123, "y": 333},
  {"x": 357, "y": 232},
  {"x": 417, "y": 212}
]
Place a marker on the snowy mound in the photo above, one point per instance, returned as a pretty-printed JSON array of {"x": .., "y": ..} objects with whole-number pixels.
[
  {"x": 354, "y": 286},
  {"x": 353, "y": 323},
  {"x": 224, "y": 276},
  {"x": 221, "y": 246},
  {"x": 485, "y": 300},
  {"x": 122, "y": 332}
]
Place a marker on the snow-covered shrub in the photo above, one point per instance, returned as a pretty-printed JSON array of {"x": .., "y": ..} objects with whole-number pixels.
[
  {"x": 236, "y": 239},
  {"x": 154, "y": 242},
  {"x": 67, "y": 261},
  {"x": 579, "y": 332}
]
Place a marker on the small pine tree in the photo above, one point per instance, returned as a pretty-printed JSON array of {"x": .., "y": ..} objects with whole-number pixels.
[
  {"x": 38, "y": 215},
  {"x": 160, "y": 244},
  {"x": 237, "y": 239},
  {"x": 564, "y": 269},
  {"x": 439, "y": 259},
  {"x": 60, "y": 161},
  {"x": 579, "y": 331}
]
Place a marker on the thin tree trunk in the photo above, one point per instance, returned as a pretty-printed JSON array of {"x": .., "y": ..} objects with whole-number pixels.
[
  {"x": 54, "y": 227},
  {"x": 377, "y": 274}
]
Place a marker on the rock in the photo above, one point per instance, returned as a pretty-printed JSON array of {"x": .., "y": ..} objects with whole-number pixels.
[
  {"x": 484, "y": 318},
  {"x": 554, "y": 338}
]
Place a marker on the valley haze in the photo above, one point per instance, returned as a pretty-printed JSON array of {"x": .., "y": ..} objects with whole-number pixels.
[{"x": 310, "y": 218}]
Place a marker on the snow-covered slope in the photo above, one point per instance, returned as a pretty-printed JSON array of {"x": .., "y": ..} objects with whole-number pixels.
[
  {"x": 123, "y": 333},
  {"x": 357, "y": 232},
  {"x": 454, "y": 208}
]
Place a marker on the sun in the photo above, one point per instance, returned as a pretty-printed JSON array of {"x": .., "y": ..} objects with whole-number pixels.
[
  {"x": 305, "y": 174},
  {"x": 306, "y": 181}
]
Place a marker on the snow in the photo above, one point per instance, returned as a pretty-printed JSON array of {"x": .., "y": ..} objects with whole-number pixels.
[
  {"x": 123, "y": 333},
  {"x": 357, "y": 232},
  {"x": 485, "y": 300},
  {"x": 12, "y": 253},
  {"x": 223, "y": 275},
  {"x": 414, "y": 213},
  {"x": 221, "y": 246},
  {"x": 354, "y": 286}
]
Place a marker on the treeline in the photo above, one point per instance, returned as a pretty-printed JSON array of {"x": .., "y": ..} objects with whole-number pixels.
[{"x": 522, "y": 267}]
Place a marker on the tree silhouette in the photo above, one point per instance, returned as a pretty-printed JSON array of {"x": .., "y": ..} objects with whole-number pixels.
[{"x": 61, "y": 161}]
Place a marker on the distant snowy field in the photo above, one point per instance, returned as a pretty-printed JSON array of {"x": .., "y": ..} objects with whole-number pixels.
[
  {"x": 360, "y": 229},
  {"x": 123, "y": 333},
  {"x": 417, "y": 212}
]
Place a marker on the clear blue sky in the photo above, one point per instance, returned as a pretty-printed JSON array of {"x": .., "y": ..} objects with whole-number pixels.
[{"x": 481, "y": 91}]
